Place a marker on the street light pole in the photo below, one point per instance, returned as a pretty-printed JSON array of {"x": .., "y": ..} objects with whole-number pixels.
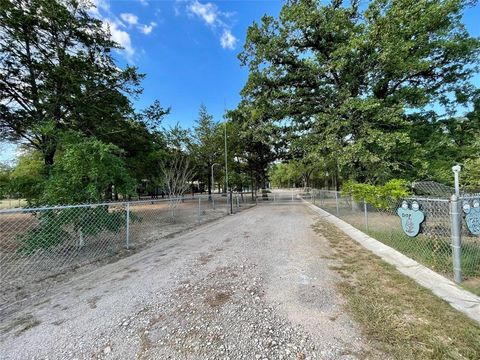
[{"x": 226, "y": 161}]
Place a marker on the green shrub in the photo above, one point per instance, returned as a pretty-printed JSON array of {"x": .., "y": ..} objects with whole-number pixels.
[
  {"x": 381, "y": 197},
  {"x": 55, "y": 226},
  {"x": 81, "y": 174},
  {"x": 47, "y": 234}
]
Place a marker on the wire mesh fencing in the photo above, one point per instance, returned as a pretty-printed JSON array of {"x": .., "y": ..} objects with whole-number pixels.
[
  {"x": 39, "y": 243},
  {"x": 280, "y": 196},
  {"x": 431, "y": 245}
]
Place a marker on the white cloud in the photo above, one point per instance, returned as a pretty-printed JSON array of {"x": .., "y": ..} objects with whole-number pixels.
[
  {"x": 228, "y": 41},
  {"x": 147, "y": 29},
  {"x": 121, "y": 37},
  {"x": 97, "y": 6},
  {"x": 208, "y": 12},
  {"x": 144, "y": 2},
  {"x": 111, "y": 23},
  {"x": 129, "y": 18},
  {"x": 176, "y": 9},
  {"x": 213, "y": 18}
]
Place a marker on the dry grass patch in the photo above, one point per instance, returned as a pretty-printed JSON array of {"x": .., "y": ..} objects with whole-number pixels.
[
  {"x": 472, "y": 285},
  {"x": 401, "y": 318}
]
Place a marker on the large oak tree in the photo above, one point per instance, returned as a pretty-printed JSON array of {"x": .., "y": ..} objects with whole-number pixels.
[
  {"x": 357, "y": 80},
  {"x": 57, "y": 73}
]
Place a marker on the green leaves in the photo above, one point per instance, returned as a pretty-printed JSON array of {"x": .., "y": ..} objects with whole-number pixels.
[
  {"x": 86, "y": 172},
  {"x": 207, "y": 145},
  {"x": 55, "y": 226},
  {"x": 379, "y": 196},
  {"x": 28, "y": 177},
  {"x": 356, "y": 81},
  {"x": 58, "y": 75}
]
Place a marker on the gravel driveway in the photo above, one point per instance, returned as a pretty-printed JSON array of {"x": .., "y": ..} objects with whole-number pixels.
[{"x": 256, "y": 285}]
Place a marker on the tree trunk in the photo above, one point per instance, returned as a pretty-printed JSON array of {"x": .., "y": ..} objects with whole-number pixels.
[
  {"x": 48, "y": 149},
  {"x": 48, "y": 158},
  {"x": 109, "y": 193},
  {"x": 209, "y": 181},
  {"x": 252, "y": 184}
]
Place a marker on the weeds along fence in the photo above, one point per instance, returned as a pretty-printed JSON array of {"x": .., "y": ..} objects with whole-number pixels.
[
  {"x": 36, "y": 243},
  {"x": 432, "y": 247}
]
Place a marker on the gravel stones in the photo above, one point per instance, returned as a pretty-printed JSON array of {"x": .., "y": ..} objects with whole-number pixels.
[{"x": 250, "y": 286}]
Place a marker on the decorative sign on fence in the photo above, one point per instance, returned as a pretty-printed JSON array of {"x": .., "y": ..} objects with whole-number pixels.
[
  {"x": 472, "y": 216},
  {"x": 411, "y": 218}
]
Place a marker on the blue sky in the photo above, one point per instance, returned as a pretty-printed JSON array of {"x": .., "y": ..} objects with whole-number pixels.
[
  {"x": 188, "y": 50},
  {"x": 190, "y": 55}
]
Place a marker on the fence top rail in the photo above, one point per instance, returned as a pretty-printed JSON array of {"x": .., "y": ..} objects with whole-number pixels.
[
  {"x": 412, "y": 197},
  {"x": 115, "y": 203},
  {"x": 469, "y": 197},
  {"x": 421, "y": 198}
]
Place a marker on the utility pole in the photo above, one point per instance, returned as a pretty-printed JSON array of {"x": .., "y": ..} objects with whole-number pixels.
[{"x": 226, "y": 161}]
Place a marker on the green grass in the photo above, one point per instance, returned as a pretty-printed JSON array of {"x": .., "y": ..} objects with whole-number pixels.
[
  {"x": 401, "y": 319},
  {"x": 433, "y": 252},
  {"x": 472, "y": 285}
]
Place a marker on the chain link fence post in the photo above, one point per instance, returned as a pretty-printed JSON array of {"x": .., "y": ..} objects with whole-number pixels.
[
  {"x": 213, "y": 202},
  {"x": 456, "y": 238},
  {"x": 128, "y": 226}
]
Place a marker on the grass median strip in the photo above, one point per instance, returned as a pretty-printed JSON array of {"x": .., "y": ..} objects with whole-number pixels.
[{"x": 401, "y": 318}]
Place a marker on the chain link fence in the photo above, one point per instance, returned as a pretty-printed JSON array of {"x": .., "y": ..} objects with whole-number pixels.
[
  {"x": 432, "y": 246},
  {"x": 279, "y": 196},
  {"x": 40, "y": 243}
]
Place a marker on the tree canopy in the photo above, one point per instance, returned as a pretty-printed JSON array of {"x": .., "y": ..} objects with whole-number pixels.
[
  {"x": 58, "y": 77},
  {"x": 336, "y": 91},
  {"x": 58, "y": 73},
  {"x": 358, "y": 82}
]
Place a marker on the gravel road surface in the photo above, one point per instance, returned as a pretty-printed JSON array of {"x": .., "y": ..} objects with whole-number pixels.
[{"x": 255, "y": 285}]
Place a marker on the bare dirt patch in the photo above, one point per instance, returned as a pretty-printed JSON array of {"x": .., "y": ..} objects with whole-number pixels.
[
  {"x": 218, "y": 299},
  {"x": 205, "y": 259},
  {"x": 92, "y": 302}
]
